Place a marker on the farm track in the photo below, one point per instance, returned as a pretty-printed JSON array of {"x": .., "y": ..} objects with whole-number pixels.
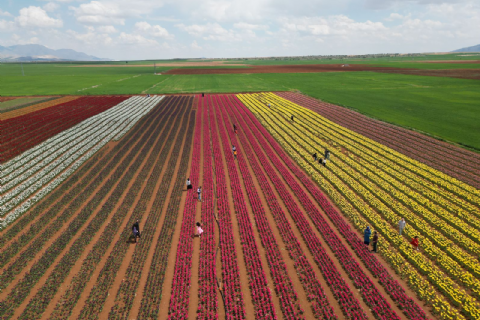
[
  {"x": 454, "y": 161},
  {"x": 74, "y": 226}
]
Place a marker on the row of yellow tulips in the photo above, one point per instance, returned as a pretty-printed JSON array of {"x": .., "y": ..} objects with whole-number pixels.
[
  {"x": 446, "y": 227},
  {"x": 353, "y": 205}
]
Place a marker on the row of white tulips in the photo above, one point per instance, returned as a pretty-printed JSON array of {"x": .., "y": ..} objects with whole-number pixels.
[{"x": 85, "y": 139}]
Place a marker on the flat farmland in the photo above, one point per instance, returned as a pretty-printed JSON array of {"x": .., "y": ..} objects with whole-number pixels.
[{"x": 283, "y": 235}]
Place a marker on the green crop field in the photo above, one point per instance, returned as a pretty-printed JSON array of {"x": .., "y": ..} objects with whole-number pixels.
[{"x": 444, "y": 107}]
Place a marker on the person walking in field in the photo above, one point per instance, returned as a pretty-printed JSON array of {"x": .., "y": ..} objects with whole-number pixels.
[
  {"x": 415, "y": 242},
  {"x": 401, "y": 225},
  {"x": 327, "y": 154},
  {"x": 291, "y": 118},
  {"x": 189, "y": 184},
  {"x": 199, "y": 192},
  {"x": 199, "y": 230},
  {"x": 235, "y": 154},
  {"x": 235, "y": 127},
  {"x": 136, "y": 231},
  {"x": 314, "y": 156},
  {"x": 366, "y": 235},
  {"x": 374, "y": 241},
  {"x": 324, "y": 162}
]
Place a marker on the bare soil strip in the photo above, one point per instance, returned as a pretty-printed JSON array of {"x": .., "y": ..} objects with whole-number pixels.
[
  {"x": 180, "y": 64},
  {"x": 315, "y": 68}
]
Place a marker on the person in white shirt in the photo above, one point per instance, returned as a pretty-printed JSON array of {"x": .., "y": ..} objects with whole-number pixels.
[{"x": 401, "y": 225}]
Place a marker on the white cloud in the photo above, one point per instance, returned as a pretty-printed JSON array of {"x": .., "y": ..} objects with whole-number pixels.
[
  {"x": 51, "y": 6},
  {"x": 6, "y": 26},
  {"x": 394, "y": 16},
  {"x": 249, "y": 26},
  {"x": 195, "y": 45},
  {"x": 91, "y": 38},
  {"x": 99, "y": 13},
  {"x": 107, "y": 29},
  {"x": 155, "y": 31},
  {"x": 210, "y": 31},
  {"x": 5, "y": 13},
  {"x": 135, "y": 39},
  {"x": 36, "y": 17}
]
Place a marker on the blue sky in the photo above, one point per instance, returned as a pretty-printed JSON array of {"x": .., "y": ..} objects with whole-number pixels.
[{"x": 144, "y": 29}]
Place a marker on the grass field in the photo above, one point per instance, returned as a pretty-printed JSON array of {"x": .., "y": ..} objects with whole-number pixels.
[{"x": 444, "y": 107}]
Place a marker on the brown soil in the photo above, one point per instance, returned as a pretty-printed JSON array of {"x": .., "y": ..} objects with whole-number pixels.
[
  {"x": 171, "y": 263},
  {"x": 110, "y": 302},
  {"x": 308, "y": 68},
  {"x": 179, "y": 64},
  {"x": 318, "y": 68},
  {"x": 196, "y": 244}
]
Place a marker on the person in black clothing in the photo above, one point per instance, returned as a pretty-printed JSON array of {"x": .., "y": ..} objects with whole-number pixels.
[
  {"x": 136, "y": 231},
  {"x": 327, "y": 154},
  {"x": 314, "y": 156},
  {"x": 203, "y": 94},
  {"x": 374, "y": 241},
  {"x": 234, "y": 127},
  {"x": 291, "y": 118}
]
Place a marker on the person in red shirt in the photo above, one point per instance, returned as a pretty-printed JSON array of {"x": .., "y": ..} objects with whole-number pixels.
[{"x": 415, "y": 242}]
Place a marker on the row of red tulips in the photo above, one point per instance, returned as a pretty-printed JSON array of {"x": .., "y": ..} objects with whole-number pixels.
[
  {"x": 40, "y": 301},
  {"x": 349, "y": 305},
  {"x": 180, "y": 295},
  {"x": 207, "y": 290},
  {"x": 444, "y": 157},
  {"x": 284, "y": 289},
  {"x": 24, "y": 132},
  {"x": 392, "y": 287},
  {"x": 315, "y": 292},
  {"x": 232, "y": 291},
  {"x": 261, "y": 295}
]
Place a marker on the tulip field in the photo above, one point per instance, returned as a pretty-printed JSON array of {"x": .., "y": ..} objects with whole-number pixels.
[{"x": 282, "y": 234}]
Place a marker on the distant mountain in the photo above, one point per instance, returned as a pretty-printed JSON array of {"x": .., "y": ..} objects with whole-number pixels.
[
  {"x": 469, "y": 49},
  {"x": 36, "y": 52}
]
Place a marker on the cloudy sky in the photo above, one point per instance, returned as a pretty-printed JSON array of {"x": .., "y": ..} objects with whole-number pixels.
[{"x": 143, "y": 29}]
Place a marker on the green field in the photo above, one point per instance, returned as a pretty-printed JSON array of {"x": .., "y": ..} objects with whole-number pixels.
[{"x": 444, "y": 107}]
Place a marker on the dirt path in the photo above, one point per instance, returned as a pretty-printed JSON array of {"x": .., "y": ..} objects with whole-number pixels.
[
  {"x": 169, "y": 274},
  {"x": 129, "y": 257},
  {"x": 244, "y": 278}
]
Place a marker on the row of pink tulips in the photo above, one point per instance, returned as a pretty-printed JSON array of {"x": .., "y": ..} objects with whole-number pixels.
[
  {"x": 234, "y": 302},
  {"x": 261, "y": 295}
]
